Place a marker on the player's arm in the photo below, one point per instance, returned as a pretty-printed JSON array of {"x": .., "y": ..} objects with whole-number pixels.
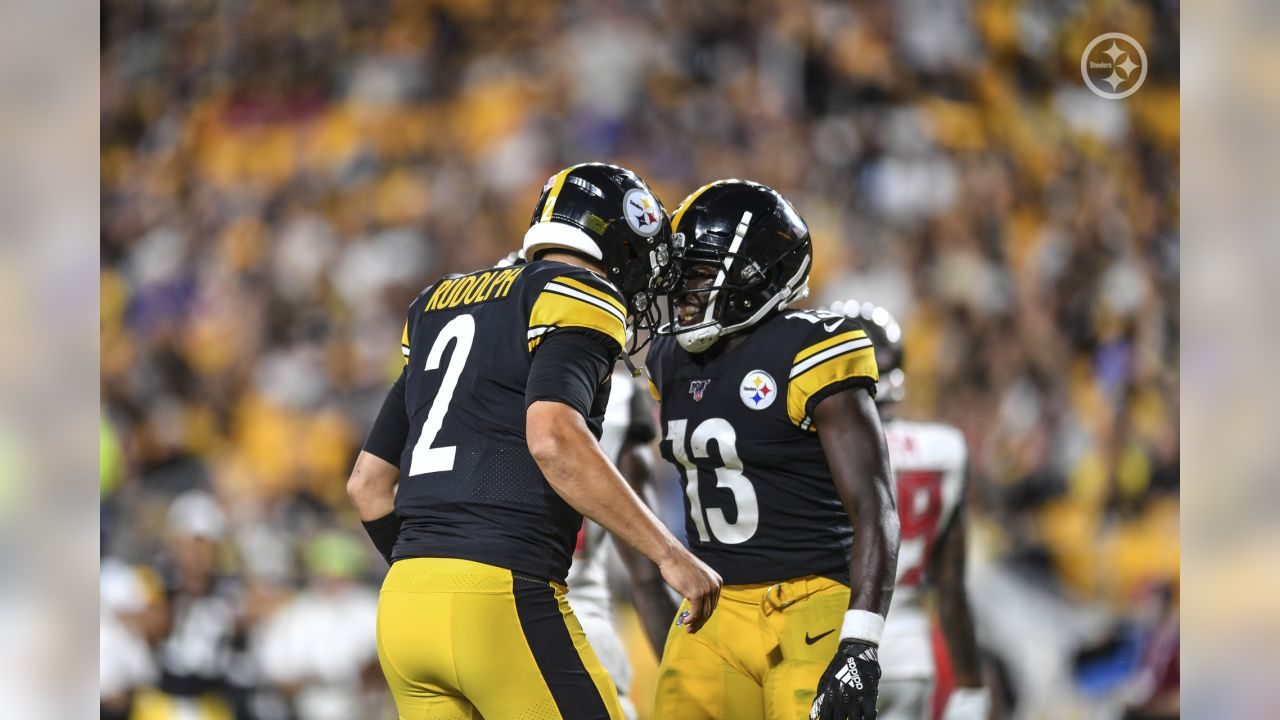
[
  {"x": 853, "y": 442},
  {"x": 566, "y": 372},
  {"x": 579, "y": 472},
  {"x": 649, "y": 593},
  {"x": 831, "y": 388},
  {"x": 969, "y": 701},
  {"x": 372, "y": 485},
  {"x": 953, "y": 604}
]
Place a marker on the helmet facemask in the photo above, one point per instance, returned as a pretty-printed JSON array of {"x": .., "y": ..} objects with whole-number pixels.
[{"x": 642, "y": 275}]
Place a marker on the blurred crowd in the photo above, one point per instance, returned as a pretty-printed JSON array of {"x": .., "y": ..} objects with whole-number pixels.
[{"x": 279, "y": 180}]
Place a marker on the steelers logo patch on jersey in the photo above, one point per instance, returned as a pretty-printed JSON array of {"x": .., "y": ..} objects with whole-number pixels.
[
  {"x": 642, "y": 212},
  {"x": 758, "y": 390}
]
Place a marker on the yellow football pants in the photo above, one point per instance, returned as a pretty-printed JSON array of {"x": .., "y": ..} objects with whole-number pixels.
[
  {"x": 759, "y": 656},
  {"x": 464, "y": 640}
]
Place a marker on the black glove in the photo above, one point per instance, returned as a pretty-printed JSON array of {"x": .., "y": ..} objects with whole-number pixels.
[{"x": 850, "y": 684}]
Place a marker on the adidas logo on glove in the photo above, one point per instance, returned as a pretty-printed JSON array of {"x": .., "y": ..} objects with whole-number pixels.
[{"x": 849, "y": 675}]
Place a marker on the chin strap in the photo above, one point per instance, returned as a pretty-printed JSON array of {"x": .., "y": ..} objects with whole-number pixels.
[
  {"x": 631, "y": 367},
  {"x": 699, "y": 339}
]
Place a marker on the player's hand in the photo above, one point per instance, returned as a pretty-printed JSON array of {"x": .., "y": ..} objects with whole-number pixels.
[
  {"x": 848, "y": 688},
  {"x": 696, "y": 582}
]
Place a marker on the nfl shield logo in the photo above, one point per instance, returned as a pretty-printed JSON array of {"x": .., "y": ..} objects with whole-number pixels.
[{"x": 697, "y": 387}]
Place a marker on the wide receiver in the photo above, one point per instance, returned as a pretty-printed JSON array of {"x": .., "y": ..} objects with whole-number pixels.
[
  {"x": 929, "y": 463},
  {"x": 768, "y": 413},
  {"x": 485, "y": 452}
]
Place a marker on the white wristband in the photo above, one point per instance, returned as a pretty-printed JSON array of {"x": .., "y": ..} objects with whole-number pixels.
[{"x": 862, "y": 625}]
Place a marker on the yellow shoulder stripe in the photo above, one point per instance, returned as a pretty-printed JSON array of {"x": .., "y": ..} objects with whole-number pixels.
[
  {"x": 554, "y": 310},
  {"x": 578, "y": 284},
  {"x": 829, "y": 342},
  {"x": 858, "y": 363},
  {"x": 653, "y": 390},
  {"x": 404, "y": 343}
]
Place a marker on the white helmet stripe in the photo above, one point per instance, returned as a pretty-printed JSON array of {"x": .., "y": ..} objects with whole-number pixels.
[{"x": 738, "y": 234}]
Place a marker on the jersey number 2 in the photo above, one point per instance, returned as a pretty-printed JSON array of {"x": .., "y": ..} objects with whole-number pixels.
[
  {"x": 728, "y": 475},
  {"x": 428, "y": 459}
]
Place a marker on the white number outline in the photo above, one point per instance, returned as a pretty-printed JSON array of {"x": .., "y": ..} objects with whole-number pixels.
[{"x": 427, "y": 459}]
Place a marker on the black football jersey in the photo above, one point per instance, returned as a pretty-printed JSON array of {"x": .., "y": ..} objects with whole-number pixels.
[
  {"x": 469, "y": 488},
  {"x": 759, "y": 499}
]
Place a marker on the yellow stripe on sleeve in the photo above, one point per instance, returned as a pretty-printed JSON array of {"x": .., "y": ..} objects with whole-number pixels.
[
  {"x": 802, "y": 387},
  {"x": 829, "y": 342},
  {"x": 555, "y": 310},
  {"x": 579, "y": 285},
  {"x": 404, "y": 343}
]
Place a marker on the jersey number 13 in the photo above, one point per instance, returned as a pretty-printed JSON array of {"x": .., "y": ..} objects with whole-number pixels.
[{"x": 714, "y": 523}]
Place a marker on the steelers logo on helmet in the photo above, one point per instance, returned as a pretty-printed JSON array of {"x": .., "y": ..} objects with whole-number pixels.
[
  {"x": 642, "y": 212},
  {"x": 758, "y": 390}
]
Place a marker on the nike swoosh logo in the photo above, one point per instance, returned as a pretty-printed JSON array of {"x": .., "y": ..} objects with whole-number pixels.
[
  {"x": 811, "y": 640},
  {"x": 832, "y": 326}
]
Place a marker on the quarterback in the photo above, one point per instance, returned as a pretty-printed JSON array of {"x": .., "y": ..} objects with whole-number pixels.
[
  {"x": 627, "y": 431},
  {"x": 768, "y": 414},
  {"x": 484, "y": 458},
  {"x": 929, "y": 463}
]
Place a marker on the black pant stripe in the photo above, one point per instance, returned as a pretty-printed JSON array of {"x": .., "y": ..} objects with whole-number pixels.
[{"x": 545, "y": 630}]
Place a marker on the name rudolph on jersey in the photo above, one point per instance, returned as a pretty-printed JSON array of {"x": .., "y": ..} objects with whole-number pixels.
[{"x": 473, "y": 289}]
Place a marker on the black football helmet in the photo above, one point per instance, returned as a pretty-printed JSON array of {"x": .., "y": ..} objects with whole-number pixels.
[
  {"x": 608, "y": 214},
  {"x": 760, "y": 246},
  {"x": 886, "y": 338}
]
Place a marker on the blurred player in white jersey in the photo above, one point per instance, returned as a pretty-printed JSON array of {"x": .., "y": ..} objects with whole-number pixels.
[
  {"x": 929, "y": 463},
  {"x": 628, "y": 429}
]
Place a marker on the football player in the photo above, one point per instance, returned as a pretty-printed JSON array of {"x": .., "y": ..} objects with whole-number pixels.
[
  {"x": 929, "y": 463},
  {"x": 627, "y": 431},
  {"x": 768, "y": 414},
  {"x": 485, "y": 453}
]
